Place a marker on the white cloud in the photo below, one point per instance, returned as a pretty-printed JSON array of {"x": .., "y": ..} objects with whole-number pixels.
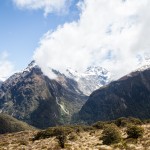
[
  {"x": 6, "y": 67},
  {"x": 47, "y": 5},
  {"x": 109, "y": 33}
]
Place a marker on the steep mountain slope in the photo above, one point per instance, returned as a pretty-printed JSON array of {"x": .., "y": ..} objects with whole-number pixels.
[
  {"x": 34, "y": 98},
  {"x": 9, "y": 124},
  {"x": 1, "y": 83},
  {"x": 129, "y": 96}
]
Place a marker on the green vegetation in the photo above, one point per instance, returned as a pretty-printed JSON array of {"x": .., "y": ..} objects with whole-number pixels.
[
  {"x": 9, "y": 124},
  {"x": 82, "y": 137},
  {"x": 135, "y": 121},
  {"x": 111, "y": 134},
  {"x": 134, "y": 131},
  {"x": 62, "y": 138},
  {"x": 120, "y": 122},
  {"x": 53, "y": 131},
  {"x": 124, "y": 122},
  {"x": 56, "y": 131},
  {"x": 99, "y": 125},
  {"x": 146, "y": 121}
]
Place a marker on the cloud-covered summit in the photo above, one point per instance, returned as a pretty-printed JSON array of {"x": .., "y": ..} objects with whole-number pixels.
[{"x": 108, "y": 33}]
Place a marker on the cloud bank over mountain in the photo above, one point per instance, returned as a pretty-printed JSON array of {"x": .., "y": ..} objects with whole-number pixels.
[
  {"x": 113, "y": 34},
  {"x": 6, "y": 66}
]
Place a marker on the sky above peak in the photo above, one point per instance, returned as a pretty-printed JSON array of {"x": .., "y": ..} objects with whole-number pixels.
[
  {"x": 74, "y": 33},
  {"x": 23, "y": 23}
]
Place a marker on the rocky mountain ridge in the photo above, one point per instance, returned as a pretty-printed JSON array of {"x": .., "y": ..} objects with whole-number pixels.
[
  {"x": 128, "y": 96},
  {"x": 32, "y": 97}
]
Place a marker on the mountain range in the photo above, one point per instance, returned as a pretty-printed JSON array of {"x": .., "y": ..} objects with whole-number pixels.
[
  {"x": 88, "y": 96},
  {"x": 33, "y": 97}
]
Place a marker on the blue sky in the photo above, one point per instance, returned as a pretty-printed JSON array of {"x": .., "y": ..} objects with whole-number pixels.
[{"x": 21, "y": 29}]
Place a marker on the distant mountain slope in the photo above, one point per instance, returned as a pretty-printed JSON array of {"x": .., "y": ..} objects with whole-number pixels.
[
  {"x": 129, "y": 96},
  {"x": 90, "y": 80},
  {"x": 9, "y": 124},
  {"x": 34, "y": 98}
]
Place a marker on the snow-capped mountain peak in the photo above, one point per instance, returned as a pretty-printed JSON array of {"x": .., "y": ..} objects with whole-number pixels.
[
  {"x": 96, "y": 70},
  {"x": 93, "y": 78},
  {"x": 21, "y": 74},
  {"x": 90, "y": 71},
  {"x": 30, "y": 66},
  {"x": 88, "y": 81},
  {"x": 145, "y": 64}
]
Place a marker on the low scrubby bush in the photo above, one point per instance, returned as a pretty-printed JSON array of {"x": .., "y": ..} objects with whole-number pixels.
[
  {"x": 62, "y": 138},
  {"x": 124, "y": 122},
  {"x": 134, "y": 131},
  {"x": 53, "y": 131},
  {"x": 146, "y": 121},
  {"x": 135, "y": 121},
  {"x": 111, "y": 134},
  {"x": 56, "y": 131},
  {"x": 99, "y": 125}
]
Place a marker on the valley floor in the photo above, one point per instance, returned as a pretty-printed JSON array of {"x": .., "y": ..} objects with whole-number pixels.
[{"x": 89, "y": 140}]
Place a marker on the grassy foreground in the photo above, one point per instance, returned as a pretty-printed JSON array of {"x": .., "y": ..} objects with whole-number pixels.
[{"x": 78, "y": 138}]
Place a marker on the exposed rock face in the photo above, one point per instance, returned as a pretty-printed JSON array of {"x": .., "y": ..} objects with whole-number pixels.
[
  {"x": 34, "y": 98},
  {"x": 129, "y": 96}
]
